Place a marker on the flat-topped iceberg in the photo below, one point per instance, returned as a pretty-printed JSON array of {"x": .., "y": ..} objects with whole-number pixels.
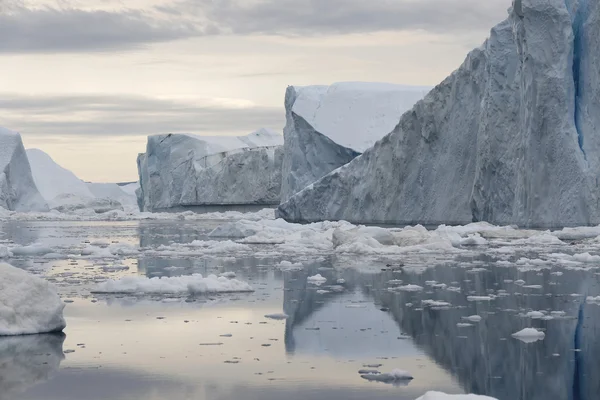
[
  {"x": 18, "y": 191},
  {"x": 28, "y": 304},
  {"x": 509, "y": 138},
  {"x": 328, "y": 126},
  {"x": 180, "y": 170}
]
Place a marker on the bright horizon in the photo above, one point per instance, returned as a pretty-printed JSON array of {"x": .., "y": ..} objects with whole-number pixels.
[{"x": 88, "y": 81}]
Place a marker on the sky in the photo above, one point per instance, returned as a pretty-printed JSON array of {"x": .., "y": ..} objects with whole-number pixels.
[{"x": 88, "y": 80}]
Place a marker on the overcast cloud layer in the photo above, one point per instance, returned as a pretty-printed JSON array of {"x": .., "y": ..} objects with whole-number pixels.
[
  {"x": 26, "y": 29},
  {"x": 130, "y": 116}
]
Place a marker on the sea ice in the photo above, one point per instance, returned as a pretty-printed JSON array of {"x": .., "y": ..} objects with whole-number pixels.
[{"x": 28, "y": 304}]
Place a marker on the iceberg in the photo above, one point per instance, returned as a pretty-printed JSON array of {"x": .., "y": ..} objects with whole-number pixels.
[
  {"x": 28, "y": 304},
  {"x": 181, "y": 170},
  {"x": 508, "y": 138},
  {"x": 121, "y": 194},
  {"x": 18, "y": 191},
  {"x": 328, "y": 126},
  {"x": 65, "y": 192}
]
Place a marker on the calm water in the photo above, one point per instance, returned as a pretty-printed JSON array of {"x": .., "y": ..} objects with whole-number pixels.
[{"x": 222, "y": 347}]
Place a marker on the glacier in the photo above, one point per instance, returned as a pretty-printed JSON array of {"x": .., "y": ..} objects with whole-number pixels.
[
  {"x": 28, "y": 304},
  {"x": 18, "y": 191},
  {"x": 63, "y": 191},
  {"x": 181, "y": 170},
  {"x": 328, "y": 126},
  {"x": 510, "y": 137}
]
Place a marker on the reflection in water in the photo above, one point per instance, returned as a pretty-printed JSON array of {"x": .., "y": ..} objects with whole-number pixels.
[
  {"x": 483, "y": 356},
  {"x": 28, "y": 360}
]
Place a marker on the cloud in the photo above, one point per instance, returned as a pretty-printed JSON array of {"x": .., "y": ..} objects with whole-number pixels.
[
  {"x": 318, "y": 17},
  {"x": 71, "y": 29},
  {"x": 131, "y": 115},
  {"x": 44, "y": 30}
]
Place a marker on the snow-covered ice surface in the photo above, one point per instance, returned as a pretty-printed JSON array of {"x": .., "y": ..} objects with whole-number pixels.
[
  {"x": 328, "y": 126},
  {"x": 66, "y": 193},
  {"x": 441, "y": 303},
  {"x": 17, "y": 188},
  {"x": 28, "y": 304},
  {"x": 510, "y": 137},
  {"x": 181, "y": 170}
]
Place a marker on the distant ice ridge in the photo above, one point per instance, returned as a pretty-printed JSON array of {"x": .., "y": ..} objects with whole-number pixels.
[
  {"x": 444, "y": 396},
  {"x": 192, "y": 284},
  {"x": 328, "y": 126},
  {"x": 510, "y": 137},
  {"x": 65, "y": 192},
  {"x": 18, "y": 191},
  {"x": 28, "y": 304},
  {"x": 181, "y": 170}
]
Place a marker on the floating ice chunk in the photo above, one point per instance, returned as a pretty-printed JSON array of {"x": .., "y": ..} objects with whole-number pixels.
[
  {"x": 288, "y": 265},
  {"x": 409, "y": 288},
  {"x": 397, "y": 376},
  {"x": 229, "y": 274},
  {"x": 279, "y": 316},
  {"x": 5, "y": 252},
  {"x": 529, "y": 335},
  {"x": 192, "y": 284},
  {"x": 444, "y": 396},
  {"x": 28, "y": 304},
  {"x": 480, "y": 298},
  {"x": 535, "y": 314},
  {"x": 31, "y": 250},
  {"x": 473, "y": 240},
  {"x": 463, "y": 325},
  {"x": 593, "y": 300},
  {"x": 436, "y": 303},
  {"x": 316, "y": 279},
  {"x": 472, "y": 318}
]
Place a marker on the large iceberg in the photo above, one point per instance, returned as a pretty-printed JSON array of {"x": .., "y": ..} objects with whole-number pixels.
[
  {"x": 28, "y": 304},
  {"x": 63, "y": 191},
  {"x": 180, "y": 170},
  {"x": 509, "y": 138},
  {"x": 18, "y": 191},
  {"x": 328, "y": 126}
]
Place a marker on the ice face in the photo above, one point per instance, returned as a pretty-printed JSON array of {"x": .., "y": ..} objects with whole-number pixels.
[
  {"x": 509, "y": 137},
  {"x": 18, "y": 191},
  {"x": 328, "y": 126},
  {"x": 188, "y": 170}
]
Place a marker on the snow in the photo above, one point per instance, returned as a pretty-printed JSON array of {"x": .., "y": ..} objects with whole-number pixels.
[
  {"x": 500, "y": 140},
  {"x": 328, "y": 126},
  {"x": 65, "y": 192},
  {"x": 529, "y": 335},
  {"x": 192, "y": 284},
  {"x": 444, "y": 396},
  {"x": 182, "y": 170},
  {"x": 18, "y": 191},
  {"x": 28, "y": 304}
]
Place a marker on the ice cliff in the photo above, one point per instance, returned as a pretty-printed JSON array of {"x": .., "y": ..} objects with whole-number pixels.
[
  {"x": 180, "y": 170},
  {"x": 328, "y": 126},
  {"x": 18, "y": 191},
  {"x": 509, "y": 138}
]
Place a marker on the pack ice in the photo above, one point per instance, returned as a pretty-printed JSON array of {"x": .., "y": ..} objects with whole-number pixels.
[
  {"x": 17, "y": 188},
  {"x": 63, "y": 191},
  {"x": 510, "y": 137},
  {"x": 188, "y": 170},
  {"x": 328, "y": 126},
  {"x": 28, "y": 304}
]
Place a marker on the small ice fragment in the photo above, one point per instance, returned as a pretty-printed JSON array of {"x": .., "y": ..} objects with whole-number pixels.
[
  {"x": 278, "y": 316},
  {"x": 529, "y": 335}
]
